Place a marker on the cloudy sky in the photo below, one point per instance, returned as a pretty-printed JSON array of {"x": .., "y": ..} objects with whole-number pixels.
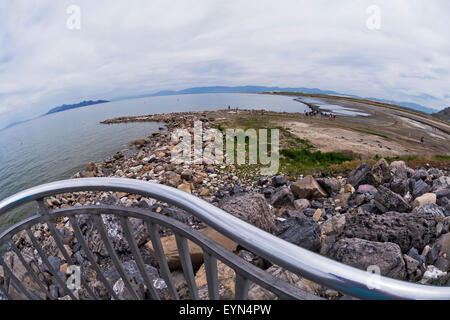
[{"x": 142, "y": 46}]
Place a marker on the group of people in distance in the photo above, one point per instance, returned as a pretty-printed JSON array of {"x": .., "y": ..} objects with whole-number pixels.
[{"x": 314, "y": 113}]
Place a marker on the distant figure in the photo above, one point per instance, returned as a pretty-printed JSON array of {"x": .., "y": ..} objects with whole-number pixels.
[
  {"x": 229, "y": 108},
  {"x": 422, "y": 140}
]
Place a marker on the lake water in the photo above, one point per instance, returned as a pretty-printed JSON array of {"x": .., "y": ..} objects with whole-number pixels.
[{"x": 57, "y": 146}]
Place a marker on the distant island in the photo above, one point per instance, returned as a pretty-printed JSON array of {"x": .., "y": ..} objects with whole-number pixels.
[{"x": 65, "y": 107}]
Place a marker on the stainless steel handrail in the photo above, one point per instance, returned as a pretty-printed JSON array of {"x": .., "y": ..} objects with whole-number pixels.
[{"x": 312, "y": 266}]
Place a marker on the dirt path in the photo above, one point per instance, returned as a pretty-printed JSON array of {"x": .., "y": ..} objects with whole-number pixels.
[
  {"x": 399, "y": 132},
  {"x": 329, "y": 139}
]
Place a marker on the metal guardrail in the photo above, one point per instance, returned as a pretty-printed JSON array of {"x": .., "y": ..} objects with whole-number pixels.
[{"x": 307, "y": 264}]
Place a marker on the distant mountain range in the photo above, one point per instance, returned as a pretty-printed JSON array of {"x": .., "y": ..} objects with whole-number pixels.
[
  {"x": 443, "y": 114},
  {"x": 255, "y": 89},
  {"x": 65, "y": 107}
]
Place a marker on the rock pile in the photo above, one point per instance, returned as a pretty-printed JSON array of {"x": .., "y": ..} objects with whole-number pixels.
[{"x": 386, "y": 215}]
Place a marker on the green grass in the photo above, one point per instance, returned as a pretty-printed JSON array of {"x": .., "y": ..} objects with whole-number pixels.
[
  {"x": 297, "y": 156},
  {"x": 405, "y": 158},
  {"x": 442, "y": 157}
]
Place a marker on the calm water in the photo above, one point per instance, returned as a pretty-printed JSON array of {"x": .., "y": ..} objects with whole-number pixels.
[{"x": 55, "y": 147}]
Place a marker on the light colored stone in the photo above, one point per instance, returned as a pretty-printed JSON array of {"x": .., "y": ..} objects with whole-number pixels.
[
  {"x": 204, "y": 192},
  {"x": 349, "y": 188},
  {"x": 318, "y": 214},
  {"x": 333, "y": 225},
  {"x": 424, "y": 199},
  {"x": 308, "y": 188},
  {"x": 64, "y": 268},
  {"x": 226, "y": 277},
  {"x": 121, "y": 194},
  {"x": 186, "y": 187},
  {"x": 171, "y": 250},
  {"x": 301, "y": 204}
]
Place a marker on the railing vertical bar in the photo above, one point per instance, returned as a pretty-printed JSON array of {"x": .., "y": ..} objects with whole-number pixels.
[
  {"x": 162, "y": 261},
  {"x": 137, "y": 256},
  {"x": 211, "y": 276},
  {"x": 30, "y": 270},
  {"x": 43, "y": 256},
  {"x": 90, "y": 256},
  {"x": 57, "y": 237},
  {"x": 186, "y": 263},
  {"x": 112, "y": 253},
  {"x": 241, "y": 287},
  {"x": 2, "y": 289},
  {"x": 16, "y": 283},
  {"x": 69, "y": 260}
]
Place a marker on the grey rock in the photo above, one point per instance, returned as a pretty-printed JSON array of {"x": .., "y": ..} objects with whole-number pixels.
[
  {"x": 360, "y": 175},
  {"x": 380, "y": 173},
  {"x": 283, "y": 196},
  {"x": 362, "y": 254},
  {"x": 268, "y": 192},
  {"x": 278, "y": 181},
  {"x": 420, "y": 188},
  {"x": 435, "y": 173},
  {"x": 430, "y": 208},
  {"x": 330, "y": 185},
  {"x": 307, "y": 188},
  {"x": 420, "y": 174},
  {"x": 262, "y": 181},
  {"x": 441, "y": 183},
  {"x": 413, "y": 253},
  {"x": 387, "y": 200},
  {"x": 408, "y": 230},
  {"x": 304, "y": 232},
  {"x": 442, "y": 193},
  {"x": 400, "y": 186},
  {"x": 250, "y": 207},
  {"x": 412, "y": 268},
  {"x": 54, "y": 262}
]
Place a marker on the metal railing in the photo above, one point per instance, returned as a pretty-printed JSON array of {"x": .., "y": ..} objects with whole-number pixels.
[{"x": 312, "y": 266}]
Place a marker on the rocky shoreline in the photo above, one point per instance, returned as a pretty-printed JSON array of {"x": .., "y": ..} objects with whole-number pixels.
[{"x": 388, "y": 215}]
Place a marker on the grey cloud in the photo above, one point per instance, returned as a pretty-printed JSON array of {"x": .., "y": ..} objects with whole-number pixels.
[{"x": 139, "y": 46}]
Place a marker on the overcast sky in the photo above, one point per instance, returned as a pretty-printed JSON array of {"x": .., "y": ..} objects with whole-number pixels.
[{"x": 132, "y": 47}]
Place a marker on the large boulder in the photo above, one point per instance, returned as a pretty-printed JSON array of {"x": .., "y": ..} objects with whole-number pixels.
[
  {"x": 399, "y": 170},
  {"x": 282, "y": 197},
  {"x": 308, "y": 188},
  {"x": 400, "y": 186},
  {"x": 420, "y": 187},
  {"x": 330, "y": 184},
  {"x": 380, "y": 173},
  {"x": 18, "y": 269},
  {"x": 408, "y": 230},
  {"x": 387, "y": 200},
  {"x": 302, "y": 231},
  {"x": 252, "y": 208},
  {"x": 424, "y": 199},
  {"x": 362, "y": 254},
  {"x": 170, "y": 248},
  {"x": 360, "y": 175},
  {"x": 364, "y": 174},
  {"x": 114, "y": 230}
]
